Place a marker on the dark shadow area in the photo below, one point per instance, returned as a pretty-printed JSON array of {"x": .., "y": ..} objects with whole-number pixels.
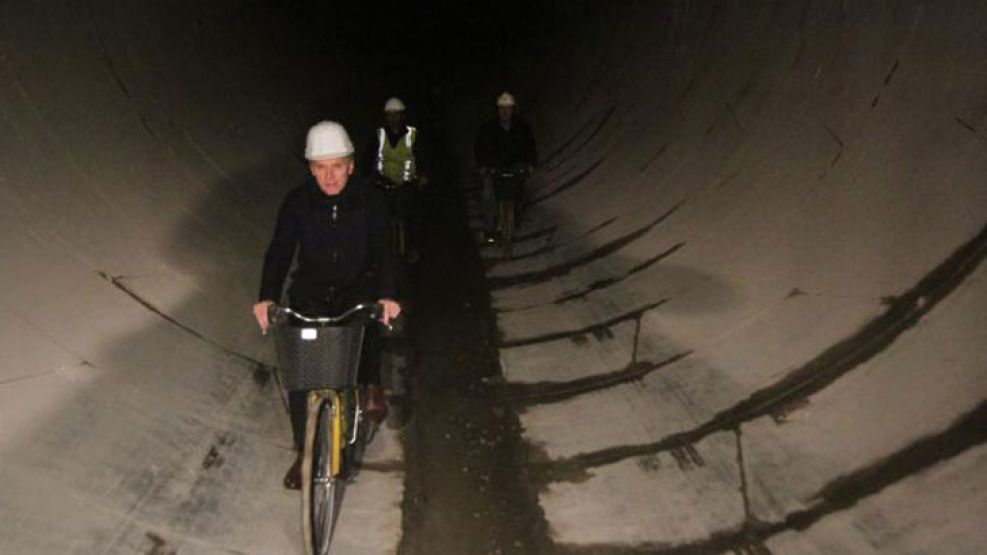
[{"x": 467, "y": 488}]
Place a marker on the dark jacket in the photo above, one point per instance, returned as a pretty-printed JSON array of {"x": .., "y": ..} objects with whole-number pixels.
[
  {"x": 496, "y": 148},
  {"x": 343, "y": 244}
]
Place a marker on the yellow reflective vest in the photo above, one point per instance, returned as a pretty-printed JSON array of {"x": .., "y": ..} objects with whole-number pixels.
[{"x": 397, "y": 162}]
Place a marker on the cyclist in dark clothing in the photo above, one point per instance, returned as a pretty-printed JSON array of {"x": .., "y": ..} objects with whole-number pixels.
[
  {"x": 501, "y": 143},
  {"x": 339, "y": 229},
  {"x": 343, "y": 255}
]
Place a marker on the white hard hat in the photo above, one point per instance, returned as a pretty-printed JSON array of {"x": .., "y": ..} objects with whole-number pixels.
[
  {"x": 505, "y": 99},
  {"x": 326, "y": 140},
  {"x": 394, "y": 104}
]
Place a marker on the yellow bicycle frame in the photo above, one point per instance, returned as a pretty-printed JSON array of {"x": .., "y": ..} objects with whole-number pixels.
[{"x": 339, "y": 432}]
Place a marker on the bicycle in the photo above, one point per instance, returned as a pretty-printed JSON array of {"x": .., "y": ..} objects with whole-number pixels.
[
  {"x": 397, "y": 199},
  {"x": 508, "y": 185},
  {"x": 323, "y": 354}
]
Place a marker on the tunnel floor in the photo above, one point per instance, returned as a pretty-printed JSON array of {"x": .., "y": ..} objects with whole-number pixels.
[{"x": 466, "y": 487}]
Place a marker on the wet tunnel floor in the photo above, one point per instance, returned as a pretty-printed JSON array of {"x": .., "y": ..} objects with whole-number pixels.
[{"x": 467, "y": 489}]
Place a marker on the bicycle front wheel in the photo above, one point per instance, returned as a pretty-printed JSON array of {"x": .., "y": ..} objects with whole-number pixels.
[{"x": 320, "y": 468}]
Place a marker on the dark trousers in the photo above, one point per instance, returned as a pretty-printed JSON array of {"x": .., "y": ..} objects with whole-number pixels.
[
  {"x": 406, "y": 205},
  {"x": 368, "y": 374}
]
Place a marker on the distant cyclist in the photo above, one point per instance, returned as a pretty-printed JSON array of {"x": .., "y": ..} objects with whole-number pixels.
[
  {"x": 502, "y": 143},
  {"x": 340, "y": 231},
  {"x": 397, "y": 164}
]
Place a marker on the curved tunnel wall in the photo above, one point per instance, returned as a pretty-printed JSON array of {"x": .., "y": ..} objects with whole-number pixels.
[
  {"x": 144, "y": 150},
  {"x": 751, "y": 275},
  {"x": 747, "y": 307}
]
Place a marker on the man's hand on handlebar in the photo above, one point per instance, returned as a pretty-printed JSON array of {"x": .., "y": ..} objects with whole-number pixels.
[
  {"x": 391, "y": 311},
  {"x": 260, "y": 313}
]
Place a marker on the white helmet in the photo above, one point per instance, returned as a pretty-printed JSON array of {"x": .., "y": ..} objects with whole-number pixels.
[
  {"x": 326, "y": 140},
  {"x": 394, "y": 104},
  {"x": 505, "y": 99}
]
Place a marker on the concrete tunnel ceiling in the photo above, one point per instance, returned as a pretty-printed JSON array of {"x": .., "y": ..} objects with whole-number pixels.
[{"x": 746, "y": 313}]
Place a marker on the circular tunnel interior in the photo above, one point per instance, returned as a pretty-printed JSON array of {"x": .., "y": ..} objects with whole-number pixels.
[{"x": 744, "y": 312}]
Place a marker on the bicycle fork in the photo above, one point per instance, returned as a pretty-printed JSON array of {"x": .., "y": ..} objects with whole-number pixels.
[{"x": 338, "y": 409}]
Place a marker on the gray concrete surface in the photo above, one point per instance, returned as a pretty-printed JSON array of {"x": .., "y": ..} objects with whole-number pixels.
[
  {"x": 144, "y": 148},
  {"x": 757, "y": 325}
]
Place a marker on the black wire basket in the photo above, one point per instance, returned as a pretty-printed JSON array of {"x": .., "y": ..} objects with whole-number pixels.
[{"x": 313, "y": 357}]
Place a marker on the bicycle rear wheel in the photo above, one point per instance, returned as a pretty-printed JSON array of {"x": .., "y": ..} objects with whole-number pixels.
[
  {"x": 507, "y": 223},
  {"x": 321, "y": 488}
]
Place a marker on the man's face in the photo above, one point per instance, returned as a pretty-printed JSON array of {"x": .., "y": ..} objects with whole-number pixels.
[
  {"x": 505, "y": 113},
  {"x": 394, "y": 120},
  {"x": 332, "y": 174}
]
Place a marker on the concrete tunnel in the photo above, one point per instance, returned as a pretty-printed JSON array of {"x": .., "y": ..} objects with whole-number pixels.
[{"x": 746, "y": 312}]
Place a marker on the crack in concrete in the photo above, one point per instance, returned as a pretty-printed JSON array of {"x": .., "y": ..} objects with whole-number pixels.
[
  {"x": 637, "y": 338},
  {"x": 654, "y": 158},
  {"x": 548, "y": 159},
  {"x": 891, "y": 73},
  {"x": 541, "y": 276},
  {"x": 969, "y": 127},
  {"x": 550, "y": 247},
  {"x": 531, "y": 236},
  {"x": 568, "y": 184},
  {"x": 840, "y": 144},
  {"x": 608, "y": 282},
  {"x": 887, "y": 79},
  {"x": 537, "y": 234},
  {"x": 743, "y": 474},
  {"x": 968, "y": 431},
  {"x": 753, "y": 546},
  {"x": 259, "y": 367},
  {"x": 104, "y": 54},
  {"x": 568, "y": 334},
  {"x": 539, "y": 393},
  {"x": 27, "y": 377},
  {"x": 117, "y": 282},
  {"x": 147, "y": 125},
  {"x": 903, "y": 312}
]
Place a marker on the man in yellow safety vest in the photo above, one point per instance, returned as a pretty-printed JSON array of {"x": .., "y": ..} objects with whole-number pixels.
[{"x": 397, "y": 168}]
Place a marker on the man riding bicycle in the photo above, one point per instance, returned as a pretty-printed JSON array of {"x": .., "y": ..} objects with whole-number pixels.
[
  {"x": 397, "y": 168},
  {"x": 340, "y": 230},
  {"x": 503, "y": 143}
]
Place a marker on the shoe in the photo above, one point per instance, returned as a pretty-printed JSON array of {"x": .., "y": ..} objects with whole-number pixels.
[
  {"x": 293, "y": 478},
  {"x": 375, "y": 405}
]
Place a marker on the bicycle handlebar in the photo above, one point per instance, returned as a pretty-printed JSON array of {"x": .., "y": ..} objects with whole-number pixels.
[
  {"x": 509, "y": 171},
  {"x": 374, "y": 311}
]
